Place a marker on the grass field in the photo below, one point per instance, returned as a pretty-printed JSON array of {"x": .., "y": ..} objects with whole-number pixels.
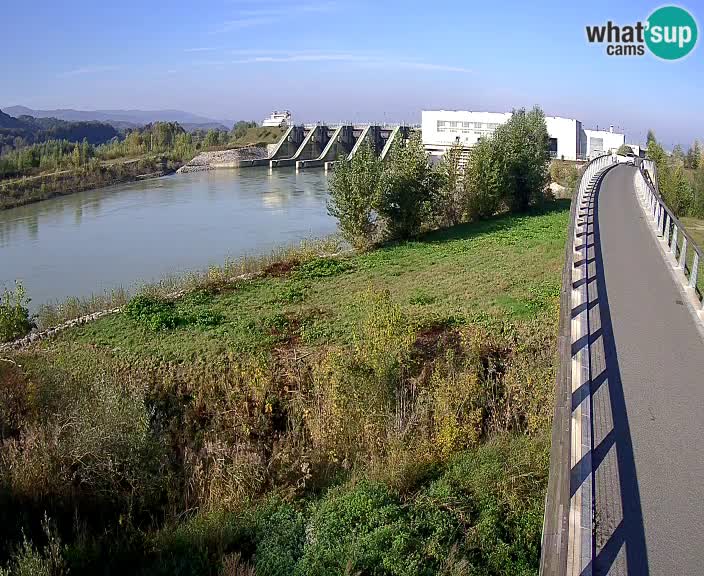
[
  {"x": 379, "y": 413},
  {"x": 258, "y": 135}
]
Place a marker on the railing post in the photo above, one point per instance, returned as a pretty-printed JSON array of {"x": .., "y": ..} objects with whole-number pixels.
[
  {"x": 673, "y": 247},
  {"x": 683, "y": 254},
  {"x": 695, "y": 269},
  {"x": 666, "y": 233}
]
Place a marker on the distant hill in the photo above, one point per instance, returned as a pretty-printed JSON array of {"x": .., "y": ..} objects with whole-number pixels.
[
  {"x": 122, "y": 119},
  {"x": 7, "y": 121},
  {"x": 32, "y": 130}
]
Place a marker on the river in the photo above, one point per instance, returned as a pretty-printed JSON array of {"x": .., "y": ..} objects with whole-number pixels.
[{"x": 90, "y": 242}]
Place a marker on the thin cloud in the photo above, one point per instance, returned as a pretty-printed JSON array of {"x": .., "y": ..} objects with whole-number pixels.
[
  {"x": 287, "y": 9},
  {"x": 202, "y": 49},
  {"x": 273, "y": 13},
  {"x": 363, "y": 59},
  {"x": 303, "y": 58},
  {"x": 430, "y": 66},
  {"x": 248, "y": 22},
  {"x": 88, "y": 70}
]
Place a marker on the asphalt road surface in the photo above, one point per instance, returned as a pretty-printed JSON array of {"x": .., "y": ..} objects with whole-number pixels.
[{"x": 649, "y": 516}]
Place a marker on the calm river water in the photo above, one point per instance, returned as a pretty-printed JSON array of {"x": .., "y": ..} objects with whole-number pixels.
[{"x": 94, "y": 241}]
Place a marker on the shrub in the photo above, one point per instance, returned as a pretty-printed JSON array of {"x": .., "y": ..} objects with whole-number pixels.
[
  {"x": 354, "y": 392},
  {"x": 29, "y": 561},
  {"x": 363, "y": 530},
  {"x": 564, "y": 173},
  {"x": 674, "y": 187},
  {"x": 158, "y": 314},
  {"x": 353, "y": 189},
  {"x": 408, "y": 184},
  {"x": 93, "y": 440},
  {"x": 198, "y": 545},
  {"x": 501, "y": 487},
  {"x": 152, "y": 312},
  {"x": 624, "y": 149},
  {"x": 279, "y": 536},
  {"x": 322, "y": 268},
  {"x": 15, "y": 320}
]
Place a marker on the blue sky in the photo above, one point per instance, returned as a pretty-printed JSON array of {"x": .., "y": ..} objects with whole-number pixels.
[{"x": 346, "y": 60}]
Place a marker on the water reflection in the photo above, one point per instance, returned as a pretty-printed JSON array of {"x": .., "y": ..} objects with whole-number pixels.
[{"x": 93, "y": 241}]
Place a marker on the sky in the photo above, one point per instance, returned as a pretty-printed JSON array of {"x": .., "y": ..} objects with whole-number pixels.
[{"x": 347, "y": 60}]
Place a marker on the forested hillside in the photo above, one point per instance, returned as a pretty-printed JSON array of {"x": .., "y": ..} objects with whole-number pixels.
[{"x": 26, "y": 130}]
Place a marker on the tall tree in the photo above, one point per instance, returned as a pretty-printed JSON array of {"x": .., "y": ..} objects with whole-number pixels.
[
  {"x": 353, "y": 187},
  {"x": 694, "y": 156},
  {"x": 449, "y": 205},
  {"x": 85, "y": 151},
  {"x": 523, "y": 158},
  {"x": 407, "y": 186},
  {"x": 481, "y": 183},
  {"x": 76, "y": 157}
]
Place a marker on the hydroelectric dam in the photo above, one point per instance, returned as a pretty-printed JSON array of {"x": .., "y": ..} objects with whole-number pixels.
[{"x": 320, "y": 145}]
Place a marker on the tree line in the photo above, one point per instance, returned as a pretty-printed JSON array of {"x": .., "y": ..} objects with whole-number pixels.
[
  {"x": 16, "y": 133},
  {"x": 163, "y": 138},
  {"x": 680, "y": 177},
  {"x": 406, "y": 194}
]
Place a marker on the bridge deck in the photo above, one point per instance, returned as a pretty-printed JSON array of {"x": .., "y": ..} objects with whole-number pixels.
[{"x": 647, "y": 387}]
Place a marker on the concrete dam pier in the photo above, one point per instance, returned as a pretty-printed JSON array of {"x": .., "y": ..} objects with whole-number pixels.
[{"x": 320, "y": 146}]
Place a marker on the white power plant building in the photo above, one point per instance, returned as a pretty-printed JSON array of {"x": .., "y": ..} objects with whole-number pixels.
[{"x": 568, "y": 140}]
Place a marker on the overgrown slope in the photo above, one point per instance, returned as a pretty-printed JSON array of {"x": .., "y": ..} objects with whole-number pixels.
[{"x": 384, "y": 413}]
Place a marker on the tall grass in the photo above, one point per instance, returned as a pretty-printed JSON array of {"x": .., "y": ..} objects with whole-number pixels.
[{"x": 147, "y": 440}]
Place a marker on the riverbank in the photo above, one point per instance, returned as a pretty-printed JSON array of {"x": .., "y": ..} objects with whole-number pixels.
[
  {"x": 22, "y": 191},
  {"x": 390, "y": 408}
]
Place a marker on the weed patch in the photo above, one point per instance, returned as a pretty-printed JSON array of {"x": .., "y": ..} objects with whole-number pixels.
[
  {"x": 322, "y": 268},
  {"x": 157, "y": 314}
]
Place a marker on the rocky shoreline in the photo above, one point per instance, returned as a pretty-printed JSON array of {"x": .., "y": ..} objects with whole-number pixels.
[{"x": 224, "y": 159}]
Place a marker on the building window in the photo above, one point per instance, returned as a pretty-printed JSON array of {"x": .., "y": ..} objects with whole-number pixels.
[
  {"x": 596, "y": 144},
  {"x": 553, "y": 147}
]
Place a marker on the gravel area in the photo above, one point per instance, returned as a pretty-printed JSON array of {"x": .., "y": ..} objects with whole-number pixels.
[{"x": 224, "y": 159}]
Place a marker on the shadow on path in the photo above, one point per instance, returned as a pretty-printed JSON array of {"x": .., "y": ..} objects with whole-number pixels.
[{"x": 630, "y": 531}]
